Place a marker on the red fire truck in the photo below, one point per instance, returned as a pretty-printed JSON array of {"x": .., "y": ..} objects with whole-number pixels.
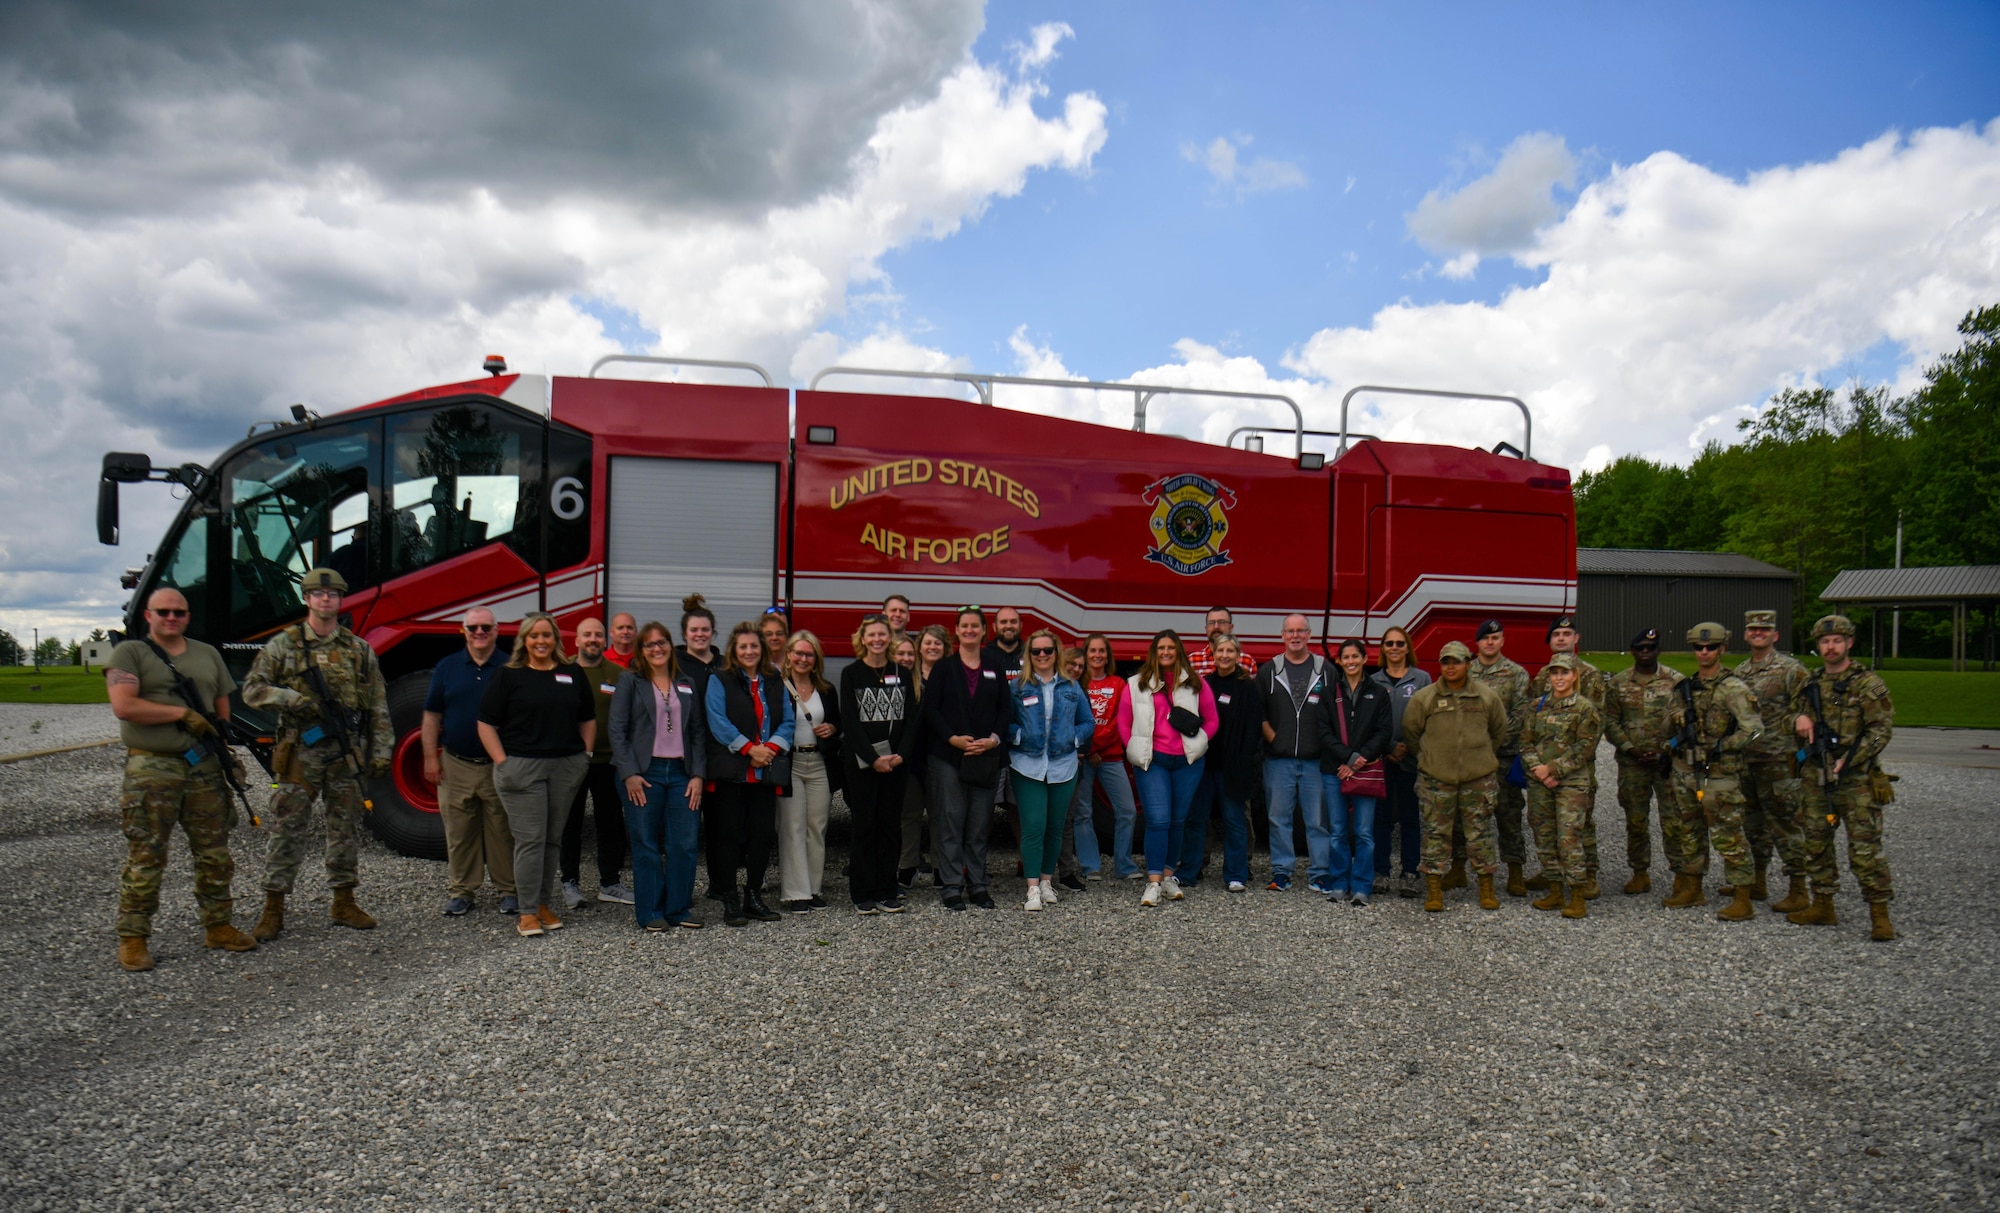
[{"x": 585, "y": 495}]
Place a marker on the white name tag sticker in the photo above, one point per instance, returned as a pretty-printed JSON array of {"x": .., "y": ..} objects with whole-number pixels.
[
  {"x": 565, "y": 679},
  {"x": 1031, "y": 701},
  {"x": 988, "y": 673},
  {"x": 607, "y": 688},
  {"x": 1312, "y": 699},
  {"x": 1222, "y": 699},
  {"x": 892, "y": 680}
]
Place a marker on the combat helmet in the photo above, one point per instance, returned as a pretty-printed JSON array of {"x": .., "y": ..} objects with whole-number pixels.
[
  {"x": 1708, "y": 633},
  {"x": 1833, "y": 625},
  {"x": 321, "y": 579}
]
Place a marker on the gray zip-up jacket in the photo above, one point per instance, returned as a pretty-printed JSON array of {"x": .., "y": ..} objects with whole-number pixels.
[{"x": 1296, "y": 726}]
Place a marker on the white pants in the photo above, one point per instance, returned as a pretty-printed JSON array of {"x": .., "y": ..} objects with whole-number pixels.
[{"x": 802, "y": 828}]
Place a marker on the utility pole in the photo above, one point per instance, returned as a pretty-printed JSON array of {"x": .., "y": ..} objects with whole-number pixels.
[
  {"x": 1896, "y": 620},
  {"x": 38, "y": 650}
]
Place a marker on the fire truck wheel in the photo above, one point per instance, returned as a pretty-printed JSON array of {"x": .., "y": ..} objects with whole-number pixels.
[{"x": 406, "y": 805}]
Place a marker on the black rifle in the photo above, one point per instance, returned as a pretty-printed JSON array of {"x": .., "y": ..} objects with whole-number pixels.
[
  {"x": 341, "y": 724},
  {"x": 210, "y": 744},
  {"x": 1823, "y": 746},
  {"x": 1689, "y": 739}
]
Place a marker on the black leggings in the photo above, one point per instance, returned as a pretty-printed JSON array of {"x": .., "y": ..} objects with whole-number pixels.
[
  {"x": 875, "y": 802},
  {"x": 600, "y": 787},
  {"x": 740, "y": 811}
]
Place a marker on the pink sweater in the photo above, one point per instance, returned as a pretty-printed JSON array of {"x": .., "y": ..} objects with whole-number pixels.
[{"x": 1165, "y": 739}]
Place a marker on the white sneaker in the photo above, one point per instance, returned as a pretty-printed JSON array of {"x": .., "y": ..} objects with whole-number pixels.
[
  {"x": 1151, "y": 897},
  {"x": 1048, "y": 888},
  {"x": 572, "y": 894},
  {"x": 1171, "y": 888},
  {"x": 615, "y": 891},
  {"x": 1034, "y": 898},
  {"x": 1237, "y": 886}
]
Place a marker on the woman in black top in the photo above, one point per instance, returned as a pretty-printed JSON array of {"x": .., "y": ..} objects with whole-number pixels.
[
  {"x": 538, "y": 722},
  {"x": 748, "y": 718},
  {"x": 1235, "y": 759},
  {"x": 1353, "y": 737},
  {"x": 931, "y": 645},
  {"x": 880, "y": 713},
  {"x": 968, "y": 709}
]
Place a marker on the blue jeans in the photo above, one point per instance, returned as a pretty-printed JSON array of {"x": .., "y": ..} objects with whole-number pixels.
[
  {"x": 1235, "y": 831},
  {"x": 1193, "y": 851},
  {"x": 662, "y": 830},
  {"x": 1166, "y": 789},
  {"x": 1400, "y": 811},
  {"x": 1355, "y": 874},
  {"x": 1117, "y": 786},
  {"x": 1291, "y": 784}
]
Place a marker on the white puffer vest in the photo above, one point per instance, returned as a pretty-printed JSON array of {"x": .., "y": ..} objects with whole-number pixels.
[{"x": 1139, "y": 750}]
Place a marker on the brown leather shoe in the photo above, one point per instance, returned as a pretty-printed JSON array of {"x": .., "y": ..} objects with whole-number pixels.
[
  {"x": 133, "y": 955},
  {"x": 1641, "y": 882},
  {"x": 1577, "y": 907},
  {"x": 1433, "y": 893},
  {"x": 1516, "y": 887},
  {"x": 1488, "y": 900},
  {"x": 1740, "y": 907},
  {"x": 1552, "y": 900},
  {"x": 1878, "y": 913},
  {"x": 1687, "y": 892},
  {"x": 224, "y": 935},
  {"x": 1797, "y": 899},
  {"x": 548, "y": 919},
  {"x": 272, "y": 920},
  {"x": 528, "y": 925},
  {"x": 1818, "y": 914},
  {"x": 346, "y": 913}
]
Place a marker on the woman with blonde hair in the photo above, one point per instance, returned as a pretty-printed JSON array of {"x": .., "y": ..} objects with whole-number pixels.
[
  {"x": 1052, "y": 725},
  {"x": 804, "y": 804},
  {"x": 538, "y": 723},
  {"x": 750, "y": 729},
  {"x": 880, "y": 711},
  {"x": 1165, "y": 723}
]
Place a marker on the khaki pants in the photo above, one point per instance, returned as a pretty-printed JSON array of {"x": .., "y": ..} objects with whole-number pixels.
[
  {"x": 477, "y": 840},
  {"x": 802, "y": 826}
]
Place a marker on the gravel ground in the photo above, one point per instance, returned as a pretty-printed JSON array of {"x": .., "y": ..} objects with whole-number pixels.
[
  {"x": 45, "y": 726},
  {"x": 1261, "y": 1051}
]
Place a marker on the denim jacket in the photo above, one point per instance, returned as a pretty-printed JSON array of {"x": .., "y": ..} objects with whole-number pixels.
[{"x": 1045, "y": 738}]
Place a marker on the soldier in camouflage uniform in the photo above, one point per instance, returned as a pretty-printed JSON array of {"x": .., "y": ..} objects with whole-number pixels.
[
  {"x": 1715, "y": 722},
  {"x": 1772, "y": 793},
  {"x": 1455, "y": 726},
  {"x": 307, "y": 761},
  {"x": 1638, "y": 721},
  {"x": 1563, "y": 638},
  {"x": 1500, "y": 675},
  {"x": 169, "y": 780},
  {"x": 1559, "y": 749},
  {"x": 1854, "y": 708}
]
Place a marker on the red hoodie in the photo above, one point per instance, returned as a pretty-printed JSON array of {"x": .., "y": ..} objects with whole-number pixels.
[{"x": 1105, "y": 695}]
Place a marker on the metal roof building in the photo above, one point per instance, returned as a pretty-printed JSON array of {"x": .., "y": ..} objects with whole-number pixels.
[
  {"x": 1956, "y": 588},
  {"x": 1622, "y": 591}
]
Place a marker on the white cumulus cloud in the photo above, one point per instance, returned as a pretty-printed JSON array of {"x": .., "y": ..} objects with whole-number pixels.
[
  {"x": 1227, "y": 169},
  {"x": 1499, "y": 212}
]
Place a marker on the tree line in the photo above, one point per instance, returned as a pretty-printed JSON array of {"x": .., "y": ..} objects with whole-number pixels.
[
  {"x": 1821, "y": 476},
  {"x": 51, "y": 651}
]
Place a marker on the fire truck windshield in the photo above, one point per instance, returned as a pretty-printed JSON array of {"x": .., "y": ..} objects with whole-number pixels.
[{"x": 297, "y": 502}]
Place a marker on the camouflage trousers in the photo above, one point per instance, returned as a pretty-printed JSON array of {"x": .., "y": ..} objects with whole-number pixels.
[
  {"x": 1717, "y": 815},
  {"x": 1772, "y": 804},
  {"x": 1560, "y": 817},
  {"x": 1464, "y": 806},
  {"x": 1507, "y": 821},
  {"x": 291, "y": 821},
  {"x": 161, "y": 790},
  {"x": 1863, "y": 818},
  {"x": 1639, "y": 785}
]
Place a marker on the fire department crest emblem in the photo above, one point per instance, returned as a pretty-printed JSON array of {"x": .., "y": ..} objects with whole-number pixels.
[{"x": 1190, "y": 522}]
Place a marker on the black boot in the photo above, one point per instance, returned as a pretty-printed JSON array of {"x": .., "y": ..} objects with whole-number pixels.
[
  {"x": 732, "y": 908},
  {"x": 753, "y": 905}
]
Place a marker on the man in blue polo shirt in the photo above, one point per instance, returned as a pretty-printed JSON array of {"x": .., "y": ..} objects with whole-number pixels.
[{"x": 477, "y": 840}]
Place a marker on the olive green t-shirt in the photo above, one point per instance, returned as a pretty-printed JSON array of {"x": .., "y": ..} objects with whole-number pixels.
[
  {"x": 604, "y": 678},
  {"x": 156, "y": 685}
]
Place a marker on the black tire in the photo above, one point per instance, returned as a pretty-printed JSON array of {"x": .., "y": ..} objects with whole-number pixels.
[{"x": 404, "y": 827}]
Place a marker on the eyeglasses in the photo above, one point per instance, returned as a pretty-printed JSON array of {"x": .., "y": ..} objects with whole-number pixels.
[
  {"x": 1042, "y": 652},
  {"x": 169, "y": 612},
  {"x": 650, "y": 645},
  {"x": 322, "y": 592},
  {"x": 1706, "y": 648},
  {"x": 479, "y": 629}
]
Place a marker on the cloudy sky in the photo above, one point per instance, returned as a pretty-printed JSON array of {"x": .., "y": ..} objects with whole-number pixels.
[{"x": 1644, "y": 222}]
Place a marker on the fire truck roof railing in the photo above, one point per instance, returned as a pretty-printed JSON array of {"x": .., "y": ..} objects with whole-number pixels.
[
  {"x": 723, "y": 363},
  {"x": 1142, "y": 393},
  {"x": 1241, "y": 430},
  {"x": 1527, "y": 419}
]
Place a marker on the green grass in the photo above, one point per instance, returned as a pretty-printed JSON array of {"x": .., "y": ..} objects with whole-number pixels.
[
  {"x": 57, "y": 684},
  {"x": 1923, "y": 697}
]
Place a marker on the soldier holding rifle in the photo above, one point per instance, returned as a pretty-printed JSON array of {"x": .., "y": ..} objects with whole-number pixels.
[
  {"x": 1845, "y": 718},
  {"x": 1716, "y": 724}
]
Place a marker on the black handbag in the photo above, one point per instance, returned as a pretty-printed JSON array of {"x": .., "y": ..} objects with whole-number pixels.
[{"x": 981, "y": 770}]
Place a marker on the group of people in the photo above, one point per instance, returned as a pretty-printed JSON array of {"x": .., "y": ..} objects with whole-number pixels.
[{"x": 742, "y": 740}]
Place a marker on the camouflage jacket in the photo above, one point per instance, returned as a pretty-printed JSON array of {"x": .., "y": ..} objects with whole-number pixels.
[
  {"x": 277, "y": 680},
  {"x": 1639, "y": 710},
  {"x": 1856, "y": 707},
  {"x": 1562, "y": 734},
  {"x": 1777, "y": 682},
  {"x": 1725, "y": 722},
  {"x": 1509, "y": 680},
  {"x": 1589, "y": 681}
]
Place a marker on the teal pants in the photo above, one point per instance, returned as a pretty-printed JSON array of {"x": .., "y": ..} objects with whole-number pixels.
[{"x": 1043, "y": 807}]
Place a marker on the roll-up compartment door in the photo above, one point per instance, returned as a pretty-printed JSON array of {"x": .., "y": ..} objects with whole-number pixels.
[{"x": 692, "y": 526}]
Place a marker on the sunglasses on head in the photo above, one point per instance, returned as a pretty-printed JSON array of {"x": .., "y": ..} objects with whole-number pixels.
[
  {"x": 875, "y": 617},
  {"x": 170, "y": 612},
  {"x": 479, "y": 629},
  {"x": 774, "y": 610}
]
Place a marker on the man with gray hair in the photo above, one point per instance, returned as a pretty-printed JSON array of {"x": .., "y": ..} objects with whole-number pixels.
[{"x": 477, "y": 838}]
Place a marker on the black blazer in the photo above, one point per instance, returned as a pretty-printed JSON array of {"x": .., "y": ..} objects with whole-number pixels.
[
  {"x": 950, "y": 712},
  {"x": 1367, "y": 713},
  {"x": 830, "y": 749},
  {"x": 1237, "y": 749}
]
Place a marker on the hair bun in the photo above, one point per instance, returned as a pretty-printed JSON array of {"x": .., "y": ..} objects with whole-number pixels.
[{"x": 693, "y": 602}]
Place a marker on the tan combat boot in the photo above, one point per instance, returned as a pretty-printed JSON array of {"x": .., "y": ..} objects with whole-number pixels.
[
  {"x": 1552, "y": 900},
  {"x": 1687, "y": 892},
  {"x": 1488, "y": 900},
  {"x": 1577, "y": 907},
  {"x": 1641, "y": 882},
  {"x": 1818, "y": 914},
  {"x": 1433, "y": 893},
  {"x": 1589, "y": 887},
  {"x": 1798, "y": 899},
  {"x": 224, "y": 935},
  {"x": 1878, "y": 912},
  {"x": 1759, "y": 890},
  {"x": 1455, "y": 879},
  {"x": 273, "y": 919},
  {"x": 1517, "y": 887},
  {"x": 346, "y": 913},
  {"x": 1741, "y": 908},
  {"x": 133, "y": 954}
]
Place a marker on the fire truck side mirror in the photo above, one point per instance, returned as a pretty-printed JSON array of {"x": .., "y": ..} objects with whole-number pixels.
[
  {"x": 107, "y": 512},
  {"x": 126, "y": 467}
]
